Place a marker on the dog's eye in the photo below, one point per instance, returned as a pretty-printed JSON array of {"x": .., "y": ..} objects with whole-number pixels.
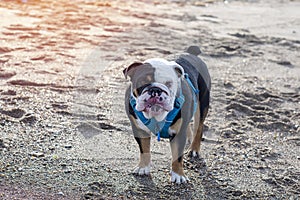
[
  {"x": 139, "y": 90},
  {"x": 168, "y": 84}
]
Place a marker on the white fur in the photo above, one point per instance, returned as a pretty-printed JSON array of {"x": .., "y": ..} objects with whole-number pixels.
[
  {"x": 140, "y": 101},
  {"x": 142, "y": 170},
  {"x": 194, "y": 154},
  {"x": 176, "y": 178}
]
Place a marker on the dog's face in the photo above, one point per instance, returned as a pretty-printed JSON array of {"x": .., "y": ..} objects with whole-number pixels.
[{"x": 154, "y": 84}]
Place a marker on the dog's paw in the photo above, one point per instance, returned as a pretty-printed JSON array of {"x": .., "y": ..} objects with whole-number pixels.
[
  {"x": 194, "y": 154},
  {"x": 176, "y": 178},
  {"x": 141, "y": 171}
]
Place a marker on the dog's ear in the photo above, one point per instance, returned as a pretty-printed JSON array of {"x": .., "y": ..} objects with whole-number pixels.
[
  {"x": 179, "y": 70},
  {"x": 129, "y": 71}
]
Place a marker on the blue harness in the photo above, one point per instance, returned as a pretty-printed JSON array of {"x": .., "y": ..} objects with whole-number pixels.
[{"x": 160, "y": 129}]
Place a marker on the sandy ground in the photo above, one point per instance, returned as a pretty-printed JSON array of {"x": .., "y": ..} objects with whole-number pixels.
[{"x": 63, "y": 129}]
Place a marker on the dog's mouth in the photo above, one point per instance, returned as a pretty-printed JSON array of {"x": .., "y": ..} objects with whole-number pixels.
[
  {"x": 155, "y": 100},
  {"x": 154, "y": 109},
  {"x": 155, "y": 105}
]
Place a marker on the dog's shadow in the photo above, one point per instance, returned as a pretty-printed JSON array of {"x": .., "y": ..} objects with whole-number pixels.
[
  {"x": 145, "y": 180},
  {"x": 213, "y": 186},
  {"x": 196, "y": 165},
  {"x": 160, "y": 188},
  {"x": 145, "y": 185}
]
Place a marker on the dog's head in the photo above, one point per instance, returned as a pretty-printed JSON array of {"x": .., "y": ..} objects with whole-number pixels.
[{"x": 154, "y": 84}]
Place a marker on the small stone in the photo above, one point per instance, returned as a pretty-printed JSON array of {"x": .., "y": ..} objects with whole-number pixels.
[
  {"x": 2, "y": 144},
  {"x": 68, "y": 146},
  {"x": 51, "y": 148},
  {"x": 37, "y": 154},
  {"x": 60, "y": 193},
  {"x": 229, "y": 85},
  {"x": 47, "y": 106},
  {"x": 237, "y": 193},
  {"x": 2, "y": 122},
  {"x": 63, "y": 165}
]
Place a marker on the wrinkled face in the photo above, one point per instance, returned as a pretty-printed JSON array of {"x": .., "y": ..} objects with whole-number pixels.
[{"x": 154, "y": 85}]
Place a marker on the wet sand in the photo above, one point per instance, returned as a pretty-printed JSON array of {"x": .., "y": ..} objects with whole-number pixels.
[{"x": 63, "y": 129}]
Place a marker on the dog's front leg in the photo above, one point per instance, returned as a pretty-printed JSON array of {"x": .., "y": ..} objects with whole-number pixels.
[
  {"x": 143, "y": 139},
  {"x": 144, "y": 165},
  {"x": 177, "y": 147}
]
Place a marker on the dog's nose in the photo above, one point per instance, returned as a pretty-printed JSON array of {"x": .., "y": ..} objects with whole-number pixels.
[{"x": 155, "y": 91}]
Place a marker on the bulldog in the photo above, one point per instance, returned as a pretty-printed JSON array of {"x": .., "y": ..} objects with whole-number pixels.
[{"x": 169, "y": 99}]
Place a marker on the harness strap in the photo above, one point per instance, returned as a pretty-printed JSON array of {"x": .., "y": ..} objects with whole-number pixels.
[
  {"x": 187, "y": 78},
  {"x": 195, "y": 91},
  {"x": 164, "y": 132}
]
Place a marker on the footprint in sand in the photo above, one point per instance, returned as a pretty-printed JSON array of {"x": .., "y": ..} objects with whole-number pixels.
[
  {"x": 29, "y": 118},
  {"x": 6, "y": 74},
  {"x": 15, "y": 113},
  {"x": 9, "y": 93},
  {"x": 21, "y": 115},
  {"x": 5, "y": 49},
  {"x": 263, "y": 110}
]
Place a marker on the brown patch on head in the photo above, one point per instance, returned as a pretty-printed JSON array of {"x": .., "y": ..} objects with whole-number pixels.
[
  {"x": 129, "y": 71},
  {"x": 141, "y": 75}
]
